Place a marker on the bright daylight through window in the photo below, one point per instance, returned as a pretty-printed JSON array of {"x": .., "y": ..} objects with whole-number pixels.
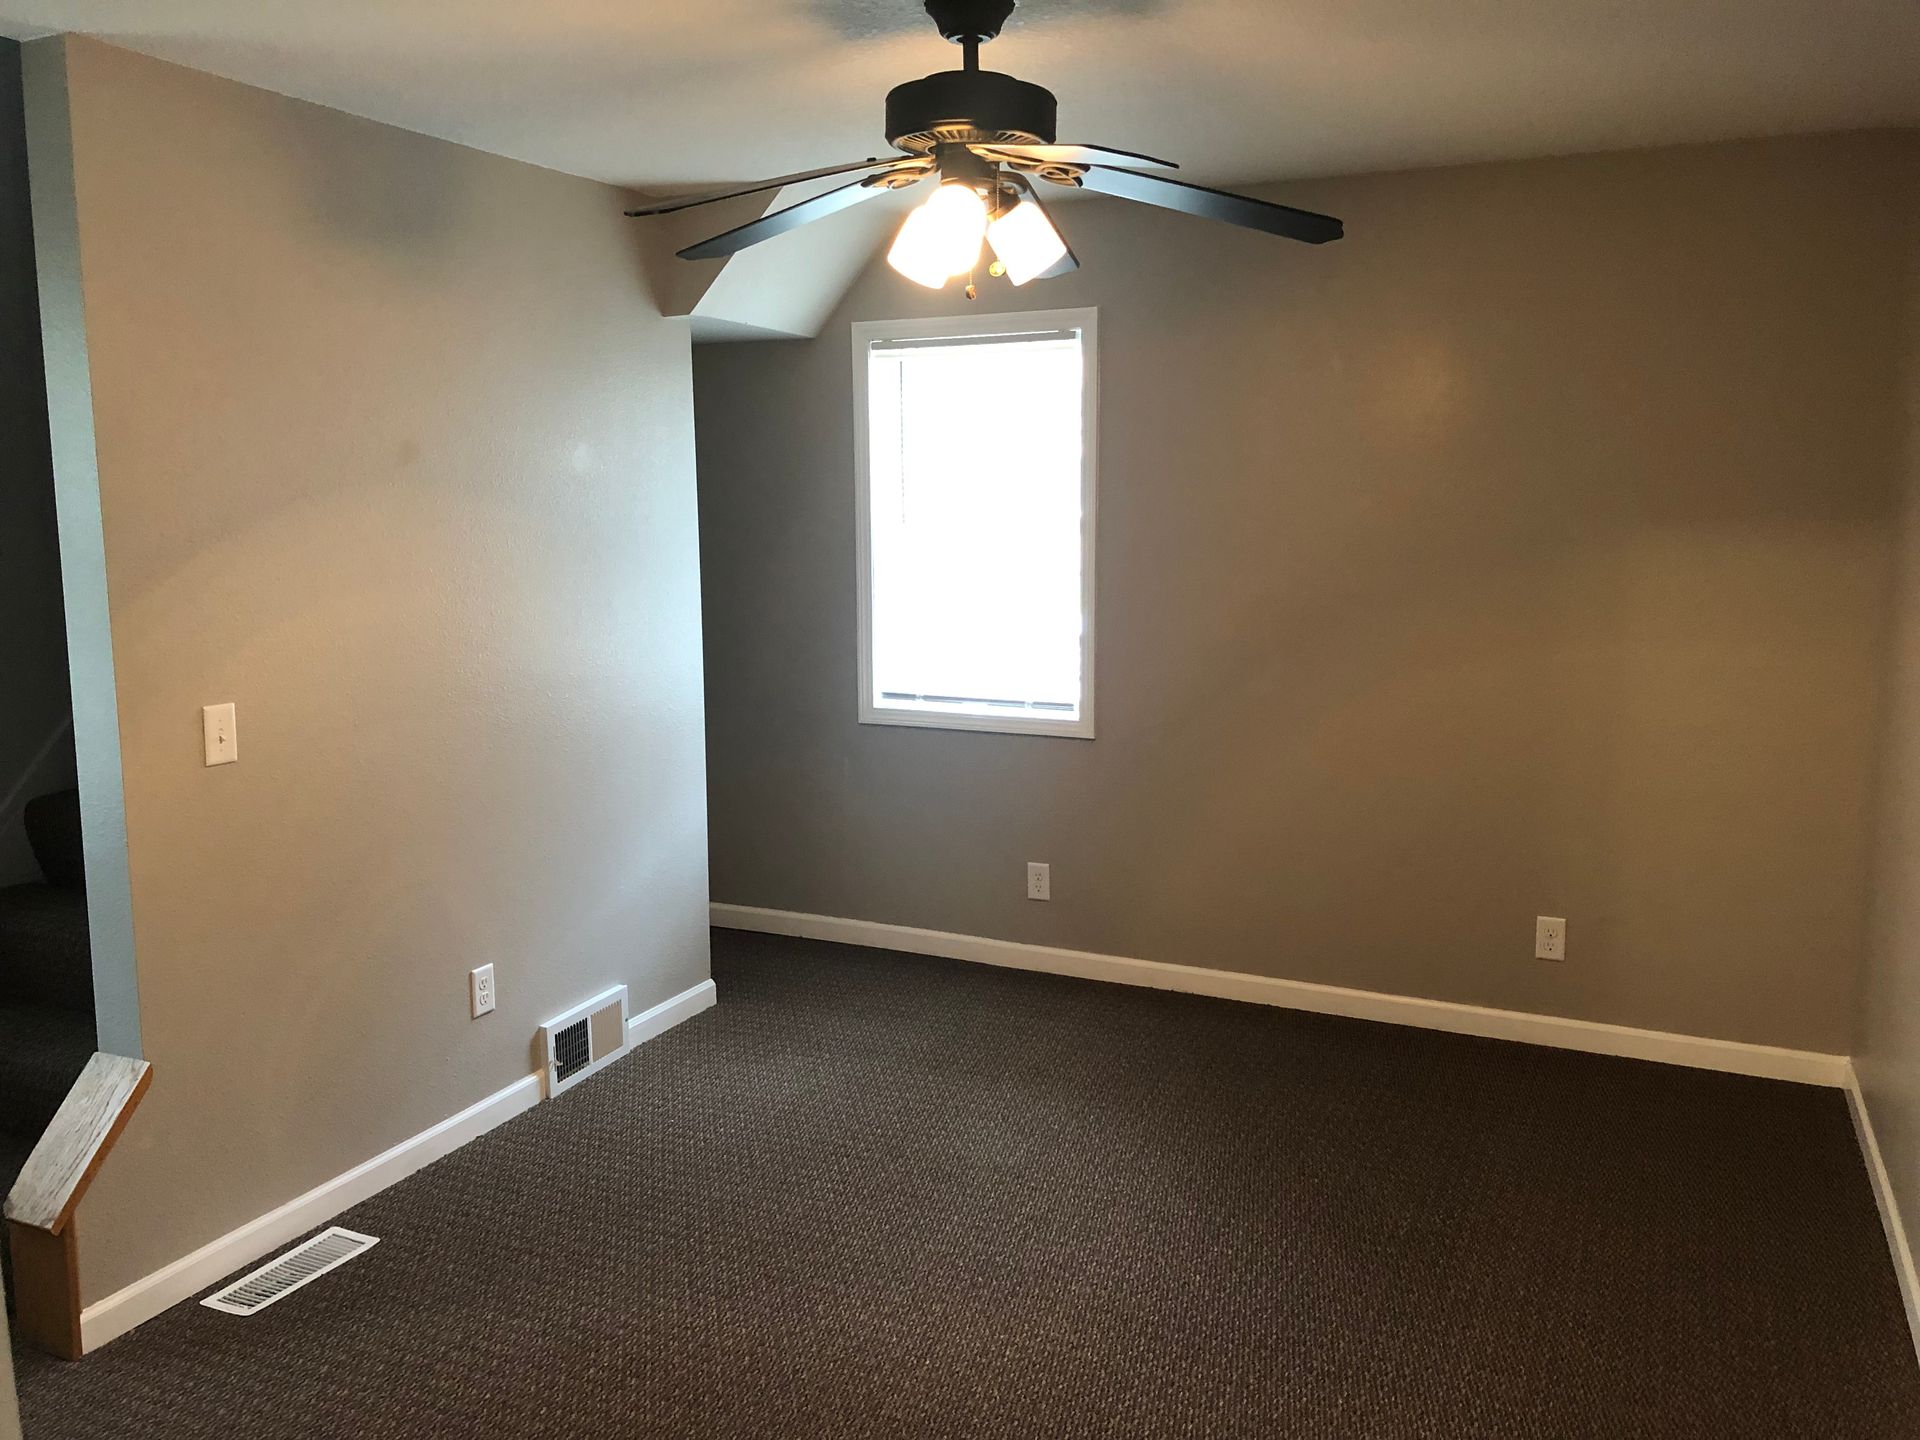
[{"x": 975, "y": 462}]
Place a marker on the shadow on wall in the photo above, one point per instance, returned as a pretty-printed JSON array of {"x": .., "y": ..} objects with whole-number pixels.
[
  {"x": 384, "y": 201},
  {"x": 379, "y": 197}
]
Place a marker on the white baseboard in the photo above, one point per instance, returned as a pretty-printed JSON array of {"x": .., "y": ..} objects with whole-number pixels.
[
  {"x": 1883, "y": 1197},
  {"x": 119, "y": 1312},
  {"x": 669, "y": 1013},
  {"x": 141, "y": 1301},
  {"x": 1771, "y": 1062}
]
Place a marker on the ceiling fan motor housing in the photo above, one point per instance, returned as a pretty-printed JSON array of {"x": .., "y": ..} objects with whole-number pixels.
[{"x": 959, "y": 107}]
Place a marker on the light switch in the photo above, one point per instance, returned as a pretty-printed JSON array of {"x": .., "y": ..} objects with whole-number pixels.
[{"x": 223, "y": 743}]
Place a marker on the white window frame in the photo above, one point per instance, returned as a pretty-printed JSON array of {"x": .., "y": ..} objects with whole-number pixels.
[{"x": 865, "y": 333}]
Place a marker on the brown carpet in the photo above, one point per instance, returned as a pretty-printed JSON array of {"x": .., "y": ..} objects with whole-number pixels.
[{"x": 881, "y": 1196}]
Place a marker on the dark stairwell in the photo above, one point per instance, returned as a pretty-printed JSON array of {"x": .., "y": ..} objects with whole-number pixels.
[
  {"x": 46, "y": 987},
  {"x": 46, "y": 981}
]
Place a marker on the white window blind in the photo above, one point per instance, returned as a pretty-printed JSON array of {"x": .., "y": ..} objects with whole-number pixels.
[{"x": 977, "y": 490}]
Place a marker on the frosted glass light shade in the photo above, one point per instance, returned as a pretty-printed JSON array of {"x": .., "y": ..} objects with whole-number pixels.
[
  {"x": 941, "y": 238},
  {"x": 1025, "y": 241}
]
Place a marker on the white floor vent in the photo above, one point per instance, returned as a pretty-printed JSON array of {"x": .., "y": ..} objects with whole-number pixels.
[
  {"x": 586, "y": 1038},
  {"x": 277, "y": 1279}
]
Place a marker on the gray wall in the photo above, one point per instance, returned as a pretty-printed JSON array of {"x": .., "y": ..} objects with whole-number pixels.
[
  {"x": 396, "y": 453},
  {"x": 1888, "y": 1057},
  {"x": 36, "y": 744},
  {"x": 1526, "y": 552}
]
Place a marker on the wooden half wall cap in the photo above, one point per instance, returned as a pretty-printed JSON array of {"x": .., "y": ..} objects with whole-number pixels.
[{"x": 39, "y": 1209}]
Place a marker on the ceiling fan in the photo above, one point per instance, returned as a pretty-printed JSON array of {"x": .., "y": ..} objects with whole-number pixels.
[{"x": 988, "y": 137}]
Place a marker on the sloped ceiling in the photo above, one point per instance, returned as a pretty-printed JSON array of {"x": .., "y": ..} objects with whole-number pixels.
[{"x": 783, "y": 289}]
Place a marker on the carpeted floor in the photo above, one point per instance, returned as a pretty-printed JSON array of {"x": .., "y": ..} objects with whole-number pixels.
[{"x": 881, "y": 1196}]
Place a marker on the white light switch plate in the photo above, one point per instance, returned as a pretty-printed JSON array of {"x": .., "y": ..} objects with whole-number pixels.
[{"x": 218, "y": 727}]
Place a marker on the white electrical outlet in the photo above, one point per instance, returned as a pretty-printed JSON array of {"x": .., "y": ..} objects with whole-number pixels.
[
  {"x": 480, "y": 990},
  {"x": 219, "y": 731},
  {"x": 1039, "y": 881},
  {"x": 1549, "y": 937}
]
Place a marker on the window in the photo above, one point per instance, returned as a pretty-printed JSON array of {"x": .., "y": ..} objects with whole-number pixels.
[{"x": 974, "y": 463}]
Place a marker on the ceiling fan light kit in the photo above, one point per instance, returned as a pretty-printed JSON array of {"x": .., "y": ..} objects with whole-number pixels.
[
  {"x": 941, "y": 239},
  {"x": 987, "y": 137}
]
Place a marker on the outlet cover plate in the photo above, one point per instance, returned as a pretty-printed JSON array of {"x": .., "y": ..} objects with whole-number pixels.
[
  {"x": 1549, "y": 937},
  {"x": 480, "y": 990}
]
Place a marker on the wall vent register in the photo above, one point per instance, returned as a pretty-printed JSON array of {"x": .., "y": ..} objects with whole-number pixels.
[
  {"x": 572, "y": 1050},
  {"x": 584, "y": 1039},
  {"x": 279, "y": 1278}
]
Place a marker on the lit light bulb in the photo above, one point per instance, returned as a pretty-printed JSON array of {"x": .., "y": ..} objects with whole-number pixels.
[
  {"x": 941, "y": 238},
  {"x": 1026, "y": 242}
]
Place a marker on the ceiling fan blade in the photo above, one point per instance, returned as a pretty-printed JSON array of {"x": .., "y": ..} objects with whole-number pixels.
[
  {"x": 1241, "y": 210},
  {"x": 687, "y": 202},
  {"x": 733, "y": 241},
  {"x": 1070, "y": 155}
]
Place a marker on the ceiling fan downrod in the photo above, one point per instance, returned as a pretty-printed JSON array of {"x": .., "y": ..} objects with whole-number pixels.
[{"x": 970, "y": 23}]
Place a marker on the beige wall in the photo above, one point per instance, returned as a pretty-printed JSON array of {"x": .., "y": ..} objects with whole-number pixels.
[
  {"x": 1888, "y": 1058},
  {"x": 1525, "y": 552},
  {"x": 395, "y": 453}
]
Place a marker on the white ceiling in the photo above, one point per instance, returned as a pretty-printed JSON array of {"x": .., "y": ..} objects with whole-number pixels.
[{"x": 669, "y": 92}]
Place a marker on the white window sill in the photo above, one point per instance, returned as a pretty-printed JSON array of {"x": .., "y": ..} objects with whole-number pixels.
[{"x": 1081, "y": 729}]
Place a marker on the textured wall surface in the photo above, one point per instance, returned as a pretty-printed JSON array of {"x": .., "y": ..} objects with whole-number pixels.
[
  {"x": 395, "y": 453},
  {"x": 1525, "y": 552}
]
